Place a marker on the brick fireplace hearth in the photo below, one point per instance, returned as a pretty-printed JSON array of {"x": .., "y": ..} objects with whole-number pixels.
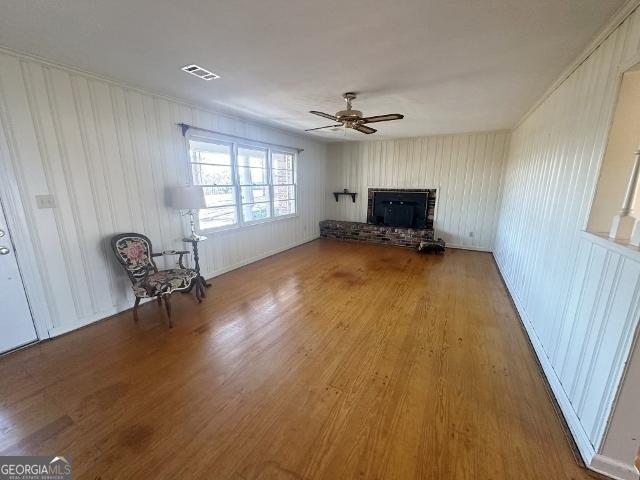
[{"x": 380, "y": 234}]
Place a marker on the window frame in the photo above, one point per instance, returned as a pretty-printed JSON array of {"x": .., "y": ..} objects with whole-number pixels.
[
  {"x": 233, "y": 185},
  {"x": 237, "y": 143},
  {"x": 294, "y": 172},
  {"x": 267, "y": 169}
]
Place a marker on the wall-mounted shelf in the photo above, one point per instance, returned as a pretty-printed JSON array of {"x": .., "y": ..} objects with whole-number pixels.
[{"x": 336, "y": 195}]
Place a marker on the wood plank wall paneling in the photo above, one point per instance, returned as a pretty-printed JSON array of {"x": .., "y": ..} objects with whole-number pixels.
[
  {"x": 108, "y": 153},
  {"x": 466, "y": 169},
  {"x": 577, "y": 297}
]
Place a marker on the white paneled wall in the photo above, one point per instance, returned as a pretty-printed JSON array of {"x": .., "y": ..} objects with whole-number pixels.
[
  {"x": 466, "y": 170},
  {"x": 605, "y": 290},
  {"x": 108, "y": 153},
  {"x": 577, "y": 299}
]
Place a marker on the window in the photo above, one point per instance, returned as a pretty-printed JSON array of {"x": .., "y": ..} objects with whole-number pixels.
[
  {"x": 284, "y": 187},
  {"x": 243, "y": 183},
  {"x": 212, "y": 167},
  {"x": 253, "y": 178}
]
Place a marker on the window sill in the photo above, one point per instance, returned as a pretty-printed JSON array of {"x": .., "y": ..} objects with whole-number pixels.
[{"x": 245, "y": 226}]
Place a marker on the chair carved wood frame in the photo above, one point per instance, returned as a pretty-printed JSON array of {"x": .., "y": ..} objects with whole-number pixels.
[{"x": 135, "y": 253}]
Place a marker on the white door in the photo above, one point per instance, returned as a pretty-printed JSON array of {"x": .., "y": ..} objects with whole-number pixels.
[{"x": 16, "y": 324}]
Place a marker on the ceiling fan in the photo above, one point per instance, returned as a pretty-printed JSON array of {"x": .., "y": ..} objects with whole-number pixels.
[{"x": 350, "y": 118}]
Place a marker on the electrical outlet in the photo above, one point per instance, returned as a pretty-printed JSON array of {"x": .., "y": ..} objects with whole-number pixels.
[
  {"x": 471, "y": 234},
  {"x": 45, "y": 201}
]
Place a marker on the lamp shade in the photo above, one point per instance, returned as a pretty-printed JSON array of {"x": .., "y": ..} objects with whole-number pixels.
[{"x": 190, "y": 197}]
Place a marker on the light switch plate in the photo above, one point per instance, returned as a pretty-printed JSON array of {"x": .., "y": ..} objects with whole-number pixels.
[{"x": 45, "y": 201}]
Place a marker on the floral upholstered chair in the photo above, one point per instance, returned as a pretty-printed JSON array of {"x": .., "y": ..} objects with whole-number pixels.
[{"x": 135, "y": 254}]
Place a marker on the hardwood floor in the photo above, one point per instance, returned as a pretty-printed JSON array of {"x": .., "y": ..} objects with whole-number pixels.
[{"x": 329, "y": 361}]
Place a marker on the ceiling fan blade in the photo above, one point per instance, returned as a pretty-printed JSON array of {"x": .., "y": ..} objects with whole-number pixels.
[
  {"x": 382, "y": 118},
  {"x": 320, "y": 128},
  {"x": 365, "y": 129},
  {"x": 325, "y": 115}
]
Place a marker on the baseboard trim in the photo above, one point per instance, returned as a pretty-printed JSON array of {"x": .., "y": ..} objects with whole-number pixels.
[
  {"x": 585, "y": 448},
  {"x": 593, "y": 461},
  {"x": 98, "y": 317},
  {"x": 469, "y": 247},
  {"x": 257, "y": 258},
  {"x": 613, "y": 468},
  {"x": 63, "y": 329}
]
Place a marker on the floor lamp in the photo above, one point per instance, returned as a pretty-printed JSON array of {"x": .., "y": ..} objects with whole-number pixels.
[{"x": 189, "y": 199}]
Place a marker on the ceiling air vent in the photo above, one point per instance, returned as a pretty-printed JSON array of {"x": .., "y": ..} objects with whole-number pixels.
[{"x": 200, "y": 72}]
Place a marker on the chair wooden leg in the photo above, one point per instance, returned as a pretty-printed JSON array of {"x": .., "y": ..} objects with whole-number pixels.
[
  {"x": 202, "y": 283},
  {"x": 167, "y": 306},
  {"x": 135, "y": 309},
  {"x": 198, "y": 296}
]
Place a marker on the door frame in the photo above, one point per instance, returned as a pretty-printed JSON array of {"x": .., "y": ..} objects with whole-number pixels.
[{"x": 17, "y": 217}]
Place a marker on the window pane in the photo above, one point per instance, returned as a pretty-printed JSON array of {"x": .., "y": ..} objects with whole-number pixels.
[
  {"x": 249, "y": 157},
  {"x": 214, "y": 167},
  {"x": 254, "y": 194},
  {"x": 217, "y": 217},
  {"x": 284, "y": 192},
  {"x": 219, "y": 196},
  {"x": 255, "y": 211},
  {"x": 211, "y": 174},
  {"x": 252, "y": 176},
  {"x": 204, "y": 152},
  {"x": 282, "y": 176},
  {"x": 284, "y": 207},
  {"x": 282, "y": 161}
]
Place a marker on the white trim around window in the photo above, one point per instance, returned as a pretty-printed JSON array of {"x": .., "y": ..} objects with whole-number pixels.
[{"x": 245, "y": 182}]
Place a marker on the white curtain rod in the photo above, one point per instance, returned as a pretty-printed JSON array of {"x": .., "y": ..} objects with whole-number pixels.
[{"x": 186, "y": 127}]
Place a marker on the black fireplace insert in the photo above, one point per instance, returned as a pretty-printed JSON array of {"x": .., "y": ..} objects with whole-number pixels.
[{"x": 400, "y": 209}]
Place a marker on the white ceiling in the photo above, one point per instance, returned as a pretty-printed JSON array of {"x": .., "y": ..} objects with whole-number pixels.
[{"x": 448, "y": 65}]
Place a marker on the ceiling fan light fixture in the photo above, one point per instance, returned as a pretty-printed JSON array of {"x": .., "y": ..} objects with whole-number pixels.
[
  {"x": 354, "y": 119},
  {"x": 349, "y": 114}
]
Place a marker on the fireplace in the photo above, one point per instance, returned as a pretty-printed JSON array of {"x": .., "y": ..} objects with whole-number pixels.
[{"x": 394, "y": 207}]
